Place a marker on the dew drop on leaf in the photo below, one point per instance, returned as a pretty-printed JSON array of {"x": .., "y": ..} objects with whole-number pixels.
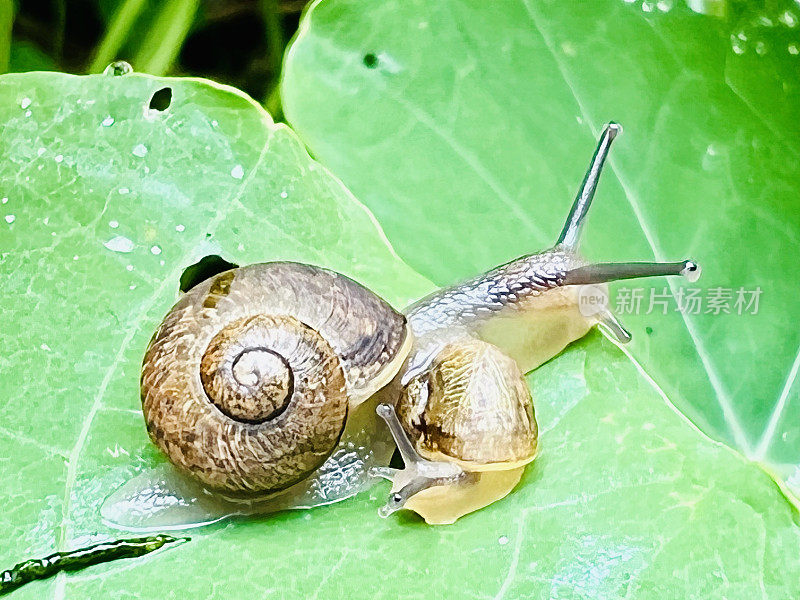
[
  {"x": 118, "y": 68},
  {"x": 119, "y": 244}
]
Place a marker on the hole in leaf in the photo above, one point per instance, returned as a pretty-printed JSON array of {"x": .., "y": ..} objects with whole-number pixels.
[
  {"x": 397, "y": 461},
  {"x": 370, "y": 60},
  {"x": 161, "y": 99},
  {"x": 205, "y": 268}
]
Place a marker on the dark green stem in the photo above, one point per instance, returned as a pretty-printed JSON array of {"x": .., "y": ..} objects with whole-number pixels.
[
  {"x": 116, "y": 33},
  {"x": 74, "y": 560},
  {"x": 6, "y": 24},
  {"x": 275, "y": 46}
]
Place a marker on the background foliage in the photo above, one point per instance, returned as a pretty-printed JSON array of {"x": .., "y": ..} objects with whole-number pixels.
[{"x": 239, "y": 42}]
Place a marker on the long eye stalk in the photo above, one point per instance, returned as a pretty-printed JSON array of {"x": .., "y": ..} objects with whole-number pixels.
[
  {"x": 570, "y": 235},
  {"x": 605, "y": 272},
  {"x": 419, "y": 473}
]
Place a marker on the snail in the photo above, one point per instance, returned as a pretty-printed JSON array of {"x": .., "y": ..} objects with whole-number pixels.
[{"x": 252, "y": 381}]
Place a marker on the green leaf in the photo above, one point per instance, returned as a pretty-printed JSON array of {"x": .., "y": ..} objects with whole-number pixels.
[
  {"x": 467, "y": 126},
  {"x": 627, "y": 497},
  {"x": 105, "y": 202}
]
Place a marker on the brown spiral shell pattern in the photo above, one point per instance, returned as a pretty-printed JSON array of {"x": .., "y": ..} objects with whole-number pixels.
[
  {"x": 246, "y": 384},
  {"x": 473, "y": 405}
]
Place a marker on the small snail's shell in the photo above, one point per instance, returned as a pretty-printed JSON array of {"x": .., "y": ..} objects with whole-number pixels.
[
  {"x": 247, "y": 383},
  {"x": 472, "y": 407}
]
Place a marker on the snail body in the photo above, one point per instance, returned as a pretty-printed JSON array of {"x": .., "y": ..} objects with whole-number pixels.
[{"x": 250, "y": 380}]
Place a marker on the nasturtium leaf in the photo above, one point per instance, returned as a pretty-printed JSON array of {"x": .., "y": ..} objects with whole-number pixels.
[
  {"x": 104, "y": 203},
  {"x": 467, "y": 126},
  {"x": 626, "y": 498}
]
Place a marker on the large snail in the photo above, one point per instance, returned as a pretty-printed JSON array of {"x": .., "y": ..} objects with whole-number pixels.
[{"x": 249, "y": 382}]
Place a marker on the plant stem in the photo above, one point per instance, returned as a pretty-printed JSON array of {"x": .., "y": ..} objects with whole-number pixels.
[
  {"x": 6, "y": 24},
  {"x": 275, "y": 46},
  {"x": 116, "y": 34},
  {"x": 166, "y": 36},
  {"x": 74, "y": 560}
]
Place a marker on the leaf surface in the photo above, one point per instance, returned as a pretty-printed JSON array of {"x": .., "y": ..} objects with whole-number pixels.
[
  {"x": 622, "y": 494},
  {"x": 467, "y": 127}
]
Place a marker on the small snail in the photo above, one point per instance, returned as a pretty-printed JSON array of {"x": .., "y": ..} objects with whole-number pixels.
[{"x": 250, "y": 380}]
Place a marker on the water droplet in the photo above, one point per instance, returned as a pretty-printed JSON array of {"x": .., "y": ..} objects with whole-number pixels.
[
  {"x": 124, "y": 191},
  {"x": 119, "y": 244},
  {"x": 40, "y": 151},
  {"x": 59, "y": 158},
  {"x": 237, "y": 172},
  {"x": 45, "y": 347},
  {"x": 10, "y": 219},
  {"x": 25, "y": 103},
  {"x": 28, "y": 113},
  {"x": 155, "y": 250},
  {"x": 214, "y": 123},
  {"x": 648, "y": 6},
  {"x": 179, "y": 228},
  {"x": 75, "y": 257},
  {"x": 129, "y": 267},
  {"x": 140, "y": 150},
  {"x": 108, "y": 121},
  {"x": 118, "y": 68},
  {"x": 113, "y": 224},
  {"x": 788, "y": 19},
  {"x": 4, "y": 200},
  {"x": 761, "y": 48},
  {"x": 794, "y": 49},
  {"x": 664, "y": 5},
  {"x": 502, "y": 540},
  {"x": 284, "y": 194}
]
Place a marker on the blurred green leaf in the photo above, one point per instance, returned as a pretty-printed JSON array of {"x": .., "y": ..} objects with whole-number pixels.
[
  {"x": 165, "y": 36},
  {"x": 107, "y": 202},
  {"x": 26, "y": 56},
  {"x": 6, "y": 23},
  {"x": 467, "y": 130},
  {"x": 117, "y": 32}
]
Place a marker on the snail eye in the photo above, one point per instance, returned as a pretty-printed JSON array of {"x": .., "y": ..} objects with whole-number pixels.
[{"x": 397, "y": 499}]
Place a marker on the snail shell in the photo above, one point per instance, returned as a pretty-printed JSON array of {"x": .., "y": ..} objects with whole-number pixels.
[
  {"x": 473, "y": 408},
  {"x": 247, "y": 383}
]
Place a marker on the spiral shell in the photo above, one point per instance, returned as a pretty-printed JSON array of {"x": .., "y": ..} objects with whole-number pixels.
[
  {"x": 472, "y": 407},
  {"x": 247, "y": 383}
]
